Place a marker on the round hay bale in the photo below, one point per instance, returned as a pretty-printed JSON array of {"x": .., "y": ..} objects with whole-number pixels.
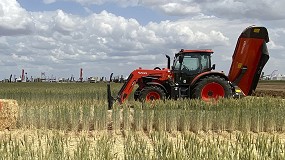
[{"x": 9, "y": 110}]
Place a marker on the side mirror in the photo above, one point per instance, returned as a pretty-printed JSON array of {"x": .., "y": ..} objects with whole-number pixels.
[
  {"x": 180, "y": 59},
  {"x": 213, "y": 67}
]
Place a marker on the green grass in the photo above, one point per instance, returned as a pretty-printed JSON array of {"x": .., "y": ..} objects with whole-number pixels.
[{"x": 83, "y": 106}]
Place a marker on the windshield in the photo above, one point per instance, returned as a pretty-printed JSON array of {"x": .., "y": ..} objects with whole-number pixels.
[{"x": 193, "y": 62}]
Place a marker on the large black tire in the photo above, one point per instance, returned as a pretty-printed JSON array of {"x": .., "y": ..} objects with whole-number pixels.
[
  {"x": 137, "y": 94},
  {"x": 212, "y": 87},
  {"x": 152, "y": 93}
]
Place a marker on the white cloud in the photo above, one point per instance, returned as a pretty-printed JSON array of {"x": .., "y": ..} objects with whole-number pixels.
[
  {"x": 231, "y": 9},
  {"x": 65, "y": 22},
  {"x": 273, "y": 45},
  {"x": 14, "y": 19},
  {"x": 21, "y": 58},
  {"x": 277, "y": 40},
  {"x": 180, "y": 9},
  {"x": 49, "y": 1},
  {"x": 61, "y": 40},
  {"x": 261, "y": 9},
  {"x": 61, "y": 43}
]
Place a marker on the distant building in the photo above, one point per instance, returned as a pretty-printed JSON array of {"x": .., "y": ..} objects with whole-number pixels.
[
  {"x": 93, "y": 79},
  {"x": 278, "y": 77},
  {"x": 37, "y": 80},
  {"x": 19, "y": 79}
]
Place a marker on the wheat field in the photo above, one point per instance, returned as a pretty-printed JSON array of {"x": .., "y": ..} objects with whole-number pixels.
[{"x": 71, "y": 121}]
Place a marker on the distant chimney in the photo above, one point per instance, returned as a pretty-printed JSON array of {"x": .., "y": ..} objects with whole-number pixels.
[
  {"x": 23, "y": 75},
  {"x": 81, "y": 75}
]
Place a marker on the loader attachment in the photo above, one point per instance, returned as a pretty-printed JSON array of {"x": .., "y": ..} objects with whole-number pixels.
[{"x": 249, "y": 58}]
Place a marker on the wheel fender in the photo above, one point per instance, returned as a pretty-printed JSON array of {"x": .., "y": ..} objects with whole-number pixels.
[
  {"x": 204, "y": 74},
  {"x": 157, "y": 84}
]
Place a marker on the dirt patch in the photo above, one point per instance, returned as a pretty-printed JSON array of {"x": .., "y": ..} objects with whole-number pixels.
[{"x": 273, "y": 89}]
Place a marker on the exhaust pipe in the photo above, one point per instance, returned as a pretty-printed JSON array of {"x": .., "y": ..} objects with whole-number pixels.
[
  {"x": 168, "y": 61},
  {"x": 110, "y": 98}
]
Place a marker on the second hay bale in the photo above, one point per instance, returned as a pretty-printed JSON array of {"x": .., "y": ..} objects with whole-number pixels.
[{"x": 9, "y": 110}]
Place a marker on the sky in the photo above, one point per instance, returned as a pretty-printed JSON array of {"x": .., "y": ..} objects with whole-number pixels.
[{"x": 58, "y": 37}]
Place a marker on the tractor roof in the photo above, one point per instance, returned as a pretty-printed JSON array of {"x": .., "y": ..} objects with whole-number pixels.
[
  {"x": 184, "y": 51},
  {"x": 197, "y": 51}
]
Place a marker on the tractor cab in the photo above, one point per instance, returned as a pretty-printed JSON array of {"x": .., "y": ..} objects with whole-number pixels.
[{"x": 188, "y": 64}]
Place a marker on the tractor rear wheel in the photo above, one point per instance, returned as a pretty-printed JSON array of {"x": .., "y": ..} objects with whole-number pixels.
[
  {"x": 212, "y": 87},
  {"x": 152, "y": 93}
]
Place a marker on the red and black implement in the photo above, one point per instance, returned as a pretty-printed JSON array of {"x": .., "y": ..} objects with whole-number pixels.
[
  {"x": 250, "y": 56},
  {"x": 192, "y": 75}
]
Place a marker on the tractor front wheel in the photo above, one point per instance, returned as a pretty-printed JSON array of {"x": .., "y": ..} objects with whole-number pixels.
[
  {"x": 212, "y": 87},
  {"x": 152, "y": 93}
]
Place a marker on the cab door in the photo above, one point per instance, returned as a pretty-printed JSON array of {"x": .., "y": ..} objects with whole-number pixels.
[{"x": 190, "y": 67}]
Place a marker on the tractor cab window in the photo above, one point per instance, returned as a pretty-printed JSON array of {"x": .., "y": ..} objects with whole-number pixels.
[
  {"x": 205, "y": 62},
  {"x": 176, "y": 64},
  {"x": 193, "y": 63},
  {"x": 190, "y": 64}
]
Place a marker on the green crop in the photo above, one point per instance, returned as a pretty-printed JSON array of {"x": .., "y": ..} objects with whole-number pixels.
[{"x": 71, "y": 121}]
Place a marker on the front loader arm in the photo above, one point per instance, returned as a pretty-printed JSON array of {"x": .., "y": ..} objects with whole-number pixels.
[
  {"x": 128, "y": 87},
  {"x": 133, "y": 79},
  {"x": 125, "y": 91}
]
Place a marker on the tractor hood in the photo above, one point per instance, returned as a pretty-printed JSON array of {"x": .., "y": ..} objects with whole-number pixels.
[{"x": 249, "y": 58}]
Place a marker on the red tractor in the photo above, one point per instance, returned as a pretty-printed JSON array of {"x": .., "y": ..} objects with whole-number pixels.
[{"x": 192, "y": 75}]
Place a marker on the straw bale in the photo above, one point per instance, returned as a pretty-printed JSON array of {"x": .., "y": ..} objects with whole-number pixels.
[{"x": 9, "y": 110}]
